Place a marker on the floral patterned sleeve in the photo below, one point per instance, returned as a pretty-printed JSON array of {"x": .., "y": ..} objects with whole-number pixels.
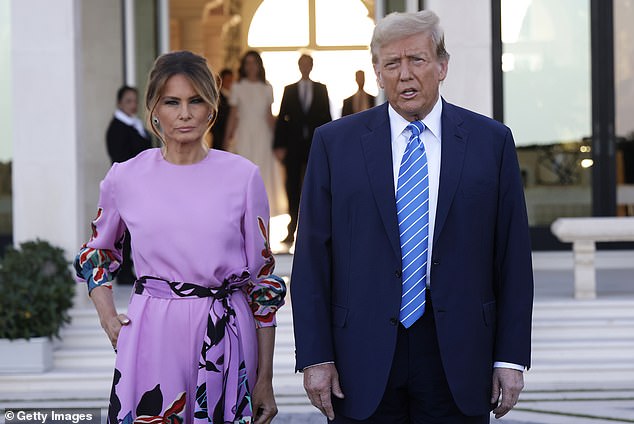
[
  {"x": 98, "y": 261},
  {"x": 265, "y": 291}
]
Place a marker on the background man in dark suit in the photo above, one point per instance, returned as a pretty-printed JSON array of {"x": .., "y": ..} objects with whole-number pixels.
[
  {"x": 304, "y": 107},
  {"x": 126, "y": 137},
  {"x": 464, "y": 353},
  {"x": 360, "y": 100}
]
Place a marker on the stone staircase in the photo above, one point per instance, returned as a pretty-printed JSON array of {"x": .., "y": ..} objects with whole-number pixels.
[
  {"x": 577, "y": 345},
  {"x": 582, "y": 345},
  {"x": 581, "y": 349}
]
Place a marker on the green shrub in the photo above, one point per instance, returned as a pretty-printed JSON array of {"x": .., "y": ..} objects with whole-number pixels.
[{"x": 36, "y": 291}]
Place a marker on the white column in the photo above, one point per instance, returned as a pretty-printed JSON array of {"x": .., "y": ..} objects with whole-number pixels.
[
  {"x": 66, "y": 65},
  {"x": 379, "y": 10},
  {"x": 130, "y": 42},
  {"x": 467, "y": 25},
  {"x": 44, "y": 51},
  {"x": 411, "y": 5},
  {"x": 379, "y": 13},
  {"x": 163, "y": 26}
]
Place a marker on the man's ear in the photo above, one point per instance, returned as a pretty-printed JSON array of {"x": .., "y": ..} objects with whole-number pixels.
[
  {"x": 444, "y": 65},
  {"x": 379, "y": 78}
]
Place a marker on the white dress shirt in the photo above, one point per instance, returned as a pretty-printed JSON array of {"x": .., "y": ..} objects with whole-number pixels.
[
  {"x": 131, "y": 121},
  {"x": 431, "y": 138},
  {"x": 305, "y": 94}
]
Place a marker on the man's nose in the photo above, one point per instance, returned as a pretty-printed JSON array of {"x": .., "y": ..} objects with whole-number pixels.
[{"x": 404, "y": 71}]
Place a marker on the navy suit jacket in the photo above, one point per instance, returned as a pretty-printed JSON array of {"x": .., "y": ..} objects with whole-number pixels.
[{"x": 346, "y": 280}]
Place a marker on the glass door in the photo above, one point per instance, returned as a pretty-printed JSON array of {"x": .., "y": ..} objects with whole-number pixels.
[{"x": 546, "y": 78}]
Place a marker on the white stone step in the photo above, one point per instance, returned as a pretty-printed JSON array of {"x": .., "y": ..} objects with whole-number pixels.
[
  {"x": 84, "y": 358},
  {"x": 593, "y": 345},
  {"x": 587, "y": 356},
  {"x": 86, "y": 337},
  {"x": 58, "y": 380}
]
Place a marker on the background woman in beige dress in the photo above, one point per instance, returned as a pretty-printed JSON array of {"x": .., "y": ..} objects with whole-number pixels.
[{"x": 251, "y": 126}]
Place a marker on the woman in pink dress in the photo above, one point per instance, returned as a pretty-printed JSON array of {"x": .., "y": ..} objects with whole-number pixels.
[{"x": 196, "y": 345}]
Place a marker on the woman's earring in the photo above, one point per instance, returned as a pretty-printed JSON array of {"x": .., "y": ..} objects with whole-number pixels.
[
  {"x": 209, "y": 117},
  {"x": 155, "y": 120}
]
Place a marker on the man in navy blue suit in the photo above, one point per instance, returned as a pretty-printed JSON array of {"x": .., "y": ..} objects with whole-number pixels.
[{"x": 363, "y": 361}]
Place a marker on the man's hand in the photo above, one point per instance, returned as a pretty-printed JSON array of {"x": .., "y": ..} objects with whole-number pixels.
[
  {"x": 507, "y": 384},
  {"x": 320, "y": 381}
]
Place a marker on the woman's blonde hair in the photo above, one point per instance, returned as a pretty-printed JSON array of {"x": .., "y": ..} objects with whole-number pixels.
[{"x": 192, "y": 67}]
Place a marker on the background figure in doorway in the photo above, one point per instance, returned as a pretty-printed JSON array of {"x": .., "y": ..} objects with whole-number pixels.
[
  {"x": 251, "y": 123},
  {"x": 220, "y": 125},
  {"x": 126, "y": 137},
  {"x": 360, "y": 100},
  {"x": 304, "y": 107}
]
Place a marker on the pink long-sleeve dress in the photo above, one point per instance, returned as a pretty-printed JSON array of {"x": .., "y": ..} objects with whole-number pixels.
[{"x": 201, "y": 254}]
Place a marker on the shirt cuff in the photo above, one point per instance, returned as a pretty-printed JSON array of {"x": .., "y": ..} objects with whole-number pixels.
[
  {"x": 314, "y": 365},
  {"x": 510, "y": 365}
]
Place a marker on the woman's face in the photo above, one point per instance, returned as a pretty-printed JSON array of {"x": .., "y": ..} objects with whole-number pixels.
[
  {"x": 182, "y": 113},
  {"x": 251, "y": 67},
  {"x": 128, "y": 103}
]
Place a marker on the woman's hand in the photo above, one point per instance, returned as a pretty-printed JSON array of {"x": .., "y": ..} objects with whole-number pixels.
[
  {"x": 112, "y": 327},
  {"x": 111, "y": 322},
  {"x": 264, "y": 406}
]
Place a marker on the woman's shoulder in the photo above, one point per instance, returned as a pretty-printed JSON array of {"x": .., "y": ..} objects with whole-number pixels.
[
  {"x": 139, "y": 161},
  {"x": 231, "y": 161}
]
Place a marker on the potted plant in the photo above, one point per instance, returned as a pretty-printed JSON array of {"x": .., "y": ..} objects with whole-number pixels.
[{"x": 36, "y": 291}]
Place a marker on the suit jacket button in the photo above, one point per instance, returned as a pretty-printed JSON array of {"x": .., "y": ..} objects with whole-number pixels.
[
  {"x": 393, "y": 321},
  {"x": 398, "y": 273}
]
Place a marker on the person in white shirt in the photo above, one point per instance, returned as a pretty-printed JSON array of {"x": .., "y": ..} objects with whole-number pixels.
[{"x": 126, "y": 137}]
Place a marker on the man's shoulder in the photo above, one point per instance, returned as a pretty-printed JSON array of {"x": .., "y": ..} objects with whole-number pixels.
[
  {"x": 469, "y": 117},
  {"x": 360, "y": 122}
]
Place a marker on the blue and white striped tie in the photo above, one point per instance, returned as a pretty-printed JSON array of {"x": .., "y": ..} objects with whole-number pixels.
[{"x": 412, "y": 206}]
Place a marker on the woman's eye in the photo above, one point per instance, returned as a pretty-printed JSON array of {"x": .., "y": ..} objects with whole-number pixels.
[
  {"x": 171, "y": 102},
  {"x": 197, "y": 100}
]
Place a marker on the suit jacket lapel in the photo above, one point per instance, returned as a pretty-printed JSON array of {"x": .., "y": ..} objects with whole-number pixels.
[
  {"x": 377, "y": 151},
  {"x": 453, "y": 144}
]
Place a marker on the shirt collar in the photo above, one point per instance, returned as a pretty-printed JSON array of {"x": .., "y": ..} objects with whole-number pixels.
[
  {"x": 432, "y": 121},
  {"x": 121, "y": 116},
  {"x": 131, "y": 121}
]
